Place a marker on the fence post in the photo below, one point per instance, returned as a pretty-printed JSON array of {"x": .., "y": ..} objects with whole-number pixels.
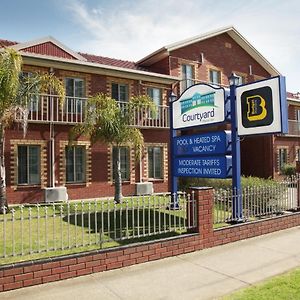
[
  {"x": 204, "y": 200},
  {"x": 298, "y": 191}
]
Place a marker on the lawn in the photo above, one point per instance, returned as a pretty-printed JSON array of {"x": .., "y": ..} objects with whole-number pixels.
[
  {"x": 41, "y": 231},
  {"x": 283, "y": 287},
  {"x": 50, "y": 230}
]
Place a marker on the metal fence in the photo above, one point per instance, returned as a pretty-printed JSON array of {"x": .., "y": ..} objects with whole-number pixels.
[
  {"x": 257, "y": 202},
  {"x": 100, "y": 223}
]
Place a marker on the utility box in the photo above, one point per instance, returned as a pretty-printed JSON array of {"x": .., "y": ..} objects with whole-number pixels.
[
  {"x": 144, "y": 188},
  {"x": 56, "y": 194}
]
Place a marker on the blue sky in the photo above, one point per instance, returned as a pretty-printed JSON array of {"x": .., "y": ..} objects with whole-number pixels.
[{"x": 129, "y": 29}]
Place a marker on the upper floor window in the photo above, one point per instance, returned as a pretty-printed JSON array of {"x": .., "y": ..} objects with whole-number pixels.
[
  {"x": 187, "y": 72},
  {"x": 29, "y": 164},
  {"x": 124, "y": 162},
  {"x": 120, "y": 92},
  {"x": 242, "y": 79},
  {"x": 155, "y": 95},
  {"x": 298, "y": 115},
  {"x": 214, "y": 76},
  {"x": 75, "y": 91},
  {"x": 75, "y": 164},
  {"x": 33, "y": 104}
]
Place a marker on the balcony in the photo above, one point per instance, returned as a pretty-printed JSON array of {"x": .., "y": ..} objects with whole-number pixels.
[
  {"x": 48, "y": 109},
  {"x": 294, "y": 128}
]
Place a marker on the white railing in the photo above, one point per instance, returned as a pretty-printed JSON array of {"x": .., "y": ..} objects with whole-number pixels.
[
  {"x": 48, "y": 108},
  {"x": 39, "y": 228},
  {"x": 145, "y": 118},
  {"x": 258, "y": 202},
  {"x": 294, "y": 127}
]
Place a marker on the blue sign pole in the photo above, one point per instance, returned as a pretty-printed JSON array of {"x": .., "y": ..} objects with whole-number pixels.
[
  {"x": 237, "y": 203},
  {"x": 174, "y": 180}
]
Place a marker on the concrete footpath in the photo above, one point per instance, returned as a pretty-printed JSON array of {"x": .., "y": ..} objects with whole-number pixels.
[{"x": 206, "y": 274}]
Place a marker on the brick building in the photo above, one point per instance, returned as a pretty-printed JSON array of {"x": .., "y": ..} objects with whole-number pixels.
[{"x": 41, "y": 159}]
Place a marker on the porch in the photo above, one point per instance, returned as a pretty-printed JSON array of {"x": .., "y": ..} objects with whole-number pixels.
[{"x": 48, "y": 109}]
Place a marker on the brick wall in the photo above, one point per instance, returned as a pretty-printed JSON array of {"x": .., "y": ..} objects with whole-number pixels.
[{"x": 42, "y": 271}]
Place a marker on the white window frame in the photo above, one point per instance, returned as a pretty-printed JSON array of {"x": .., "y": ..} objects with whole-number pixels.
[
  {"x": 33, "y": 105},
  {"x": 211, "y": 76},
  {"x": 74, "y": 164},
  {"x": 152, "y": 169},
  {"x": 281, "y": 161},
  {"x": 125, "y": 164},
  {"x": 27, "y": 166},
  {"x": 119, "y": 86},
  {"x": 74, "y": 103},
  {"x": 187, "y": 78}
]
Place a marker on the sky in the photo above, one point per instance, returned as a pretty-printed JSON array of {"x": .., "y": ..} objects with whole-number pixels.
[{"x": 130, "y": 30}]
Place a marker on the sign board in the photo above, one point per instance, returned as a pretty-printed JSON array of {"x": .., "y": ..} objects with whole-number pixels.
[
  {"x": 201, "y": 104},
  {"x": 262, "y": 107},
  {"x": 203, "y": 167},
  {"x": 203, "y": 144}
]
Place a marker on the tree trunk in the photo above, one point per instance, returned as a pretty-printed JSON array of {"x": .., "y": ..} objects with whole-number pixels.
[
  {"x": 3, "y": 199},
  {"x": 118, "y": 176}
]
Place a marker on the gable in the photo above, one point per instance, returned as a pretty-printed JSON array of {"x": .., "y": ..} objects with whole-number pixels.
[
  {"x": 223, "y": 52},
  {"x": 230, "y": 31},
  {"x": 48, "y": 49}
]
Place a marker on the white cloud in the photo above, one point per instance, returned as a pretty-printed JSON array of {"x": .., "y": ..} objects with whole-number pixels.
[{"x": 133, "y": 29}]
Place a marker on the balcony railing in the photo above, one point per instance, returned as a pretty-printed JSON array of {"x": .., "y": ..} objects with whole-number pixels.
[
  {"x": 48, "y": 109},
  {"x": 294, "y": 127}
]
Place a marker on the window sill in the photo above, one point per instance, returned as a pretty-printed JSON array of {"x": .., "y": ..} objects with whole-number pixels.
[
  {"x": 28, "y": 186},
  {"x": 75, "y": 183},
  {"x": 156, "y": 179}
]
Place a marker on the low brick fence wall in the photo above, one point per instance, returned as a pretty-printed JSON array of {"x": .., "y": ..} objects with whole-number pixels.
[{"x": 52, "y": 269}]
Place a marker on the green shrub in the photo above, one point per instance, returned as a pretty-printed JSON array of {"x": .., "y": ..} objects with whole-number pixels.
[
  {"x": 288, "y": 170},
  {"x": 186, "y": 183}
]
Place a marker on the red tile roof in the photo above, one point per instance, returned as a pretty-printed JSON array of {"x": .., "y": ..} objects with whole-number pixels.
[
  {"x": 293, "y": 96},
  {"x": 94, "y": 58},
  {"x": 111, "y": 61},
  {"x": 6, "y": 43}
]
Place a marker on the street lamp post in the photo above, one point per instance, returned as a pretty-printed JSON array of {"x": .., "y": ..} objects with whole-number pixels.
[{"x": 237, "y": 204}]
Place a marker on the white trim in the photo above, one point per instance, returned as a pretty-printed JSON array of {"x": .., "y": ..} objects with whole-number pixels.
[
  {"x": 230, "y": 30},
  {"x": 48, "y": 39},
  {"x": 96, "y": 65}
]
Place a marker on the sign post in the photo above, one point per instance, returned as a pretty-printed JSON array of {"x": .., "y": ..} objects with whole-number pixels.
[
  {"x": 174, "y": 180},
  {"x": 255, "y": 108},
  {"x": 237, "y": 203}
]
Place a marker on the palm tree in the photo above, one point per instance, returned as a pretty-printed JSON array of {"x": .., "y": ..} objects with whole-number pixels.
[
  {"x": 15, "y": 95},
  {"x": 108, "y": 122}
]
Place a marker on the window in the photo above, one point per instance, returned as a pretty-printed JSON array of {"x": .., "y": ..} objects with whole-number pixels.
[
  {"x": 187, "y": 77},
  {"x": 155, "y": 162},
  {"x": 75, "y": 91},
  {"x": 155, "y": 95},
  {"x": 29, "y": 164},
  {"x": 119, "y": 92},
  {"x": 242, "y": 79},
  {"x": 215, "y": 76},
  {"x": 298, "y": 115},
  {"x": 75, "y": 164},
  {"x": 124, "y": 161},
  {"x": 283, "y": 157},
  {"x": 33, "y": 104},
  {"x": 298, "y": 154}
]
